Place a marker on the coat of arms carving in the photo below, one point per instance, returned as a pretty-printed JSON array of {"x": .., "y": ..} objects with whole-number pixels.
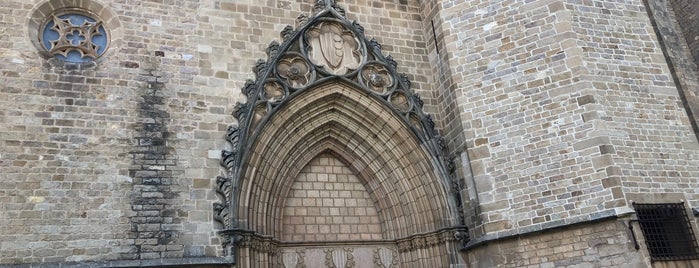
[{"x": 333, "y": 47}]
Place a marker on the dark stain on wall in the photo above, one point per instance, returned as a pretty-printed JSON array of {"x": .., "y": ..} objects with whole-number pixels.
[{"x": 154, "y": 222}]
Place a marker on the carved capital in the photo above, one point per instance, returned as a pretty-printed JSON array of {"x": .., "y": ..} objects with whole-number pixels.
[
  {"x": 428, "y": 240},
  {"x": 248, "y": 239}
]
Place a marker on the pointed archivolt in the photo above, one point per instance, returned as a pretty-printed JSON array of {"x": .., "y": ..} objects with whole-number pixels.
[{"x": 327, "y": 88}]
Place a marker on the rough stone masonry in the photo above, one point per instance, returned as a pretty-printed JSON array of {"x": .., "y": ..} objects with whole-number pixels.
[{"x": 557, "y": 114}]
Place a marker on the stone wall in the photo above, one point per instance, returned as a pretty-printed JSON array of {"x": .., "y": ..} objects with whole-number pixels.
[
  {"x": 687, "y": 14},
  {"x": 328, "y": 202},
  {"x": 561, "y": 98},
  {"x": 118, "y": 160},
  {"x": 64, "y": 166},
  {"x": 671, "y": 20},
  {"x": 604, "y": 244},
  {"x": 558, "y": 112}
]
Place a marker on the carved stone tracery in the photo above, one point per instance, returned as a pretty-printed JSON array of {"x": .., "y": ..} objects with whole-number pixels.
[
  {"x": 71, "y": 37},
  {"x": 295, "y": 71},
  {"x": 324, "y": 47},
  {"x": 376, "y": 77}
]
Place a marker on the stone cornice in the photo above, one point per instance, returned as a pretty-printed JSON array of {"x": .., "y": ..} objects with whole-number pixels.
[{"x": 267, "y": 244}]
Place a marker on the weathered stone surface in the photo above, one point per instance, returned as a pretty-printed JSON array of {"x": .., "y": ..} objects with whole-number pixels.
[{"x": 559, "y": 112}]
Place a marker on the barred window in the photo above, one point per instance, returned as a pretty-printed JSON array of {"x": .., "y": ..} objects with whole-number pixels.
[{"x": 667, "y": 231}]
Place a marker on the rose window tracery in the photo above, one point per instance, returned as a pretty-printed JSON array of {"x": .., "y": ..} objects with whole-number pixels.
[{"x": 74, "y": 37}]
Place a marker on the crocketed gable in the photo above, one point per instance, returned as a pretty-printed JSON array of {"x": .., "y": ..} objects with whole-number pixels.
[{"x": 326, "y": 88}]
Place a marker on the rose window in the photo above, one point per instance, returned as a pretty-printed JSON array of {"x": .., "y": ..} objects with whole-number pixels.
[{"x": 74, "y": 37}]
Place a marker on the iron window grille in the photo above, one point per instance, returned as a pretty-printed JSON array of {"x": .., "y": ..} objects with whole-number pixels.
[{"x": 667, "y": 231}]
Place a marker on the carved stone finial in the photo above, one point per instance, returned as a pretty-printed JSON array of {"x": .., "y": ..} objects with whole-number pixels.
[
  {"x": 358, "y": 26},
  {"x": 418, "y": 101},
  {"x": 319, "y": 6},
  {"x": 260, "y": 67},
  {"x": 221, "y": 212},
  {"x": 392, "y": 62},
  {"x": 340, "y": 10},
  {"x": 272, "y": 49},
  {"x": 301, "y": 20},
  {"x": 240, "y": 110},
  {"x": 232, "y": 135},
  {"x": 249, "y": 87},
  {"x": 406, "y": 81},
  {"x": 228, "y": 159},
  {"x": 223, "y": 185},
  {"x": 375, "y": 45},
  {"x": 287, "y": 33}
]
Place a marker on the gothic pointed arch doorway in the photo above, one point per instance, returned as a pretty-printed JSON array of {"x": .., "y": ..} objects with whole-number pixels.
[{"x": 333, "y": 162}]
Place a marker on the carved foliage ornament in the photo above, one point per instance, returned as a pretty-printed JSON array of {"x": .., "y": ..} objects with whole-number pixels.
[
  {"x": 455, "y": 234},
  {"x": 74, "y": 36}
]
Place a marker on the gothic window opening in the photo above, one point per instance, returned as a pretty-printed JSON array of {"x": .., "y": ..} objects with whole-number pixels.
[{"x": 667, "y": 231}]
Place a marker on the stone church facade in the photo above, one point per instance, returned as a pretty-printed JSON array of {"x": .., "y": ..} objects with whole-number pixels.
[{"x": 358, "y": 133}]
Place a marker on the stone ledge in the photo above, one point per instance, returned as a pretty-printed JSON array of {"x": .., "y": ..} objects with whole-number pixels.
[
  {"x": 548, "y": 226},
  {"x": 183, "y": 262}
]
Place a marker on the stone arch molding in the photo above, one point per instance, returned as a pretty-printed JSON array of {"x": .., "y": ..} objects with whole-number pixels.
[{"x": 326, "y": 88}]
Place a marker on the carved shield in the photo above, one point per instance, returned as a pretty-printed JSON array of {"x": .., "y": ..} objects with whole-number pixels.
[
  {"x": 290, "y": 259},
  {"x": 386, "y": 256},
  {"x": 332, "y": 47},
  {"x": 339, "y": 258}
]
